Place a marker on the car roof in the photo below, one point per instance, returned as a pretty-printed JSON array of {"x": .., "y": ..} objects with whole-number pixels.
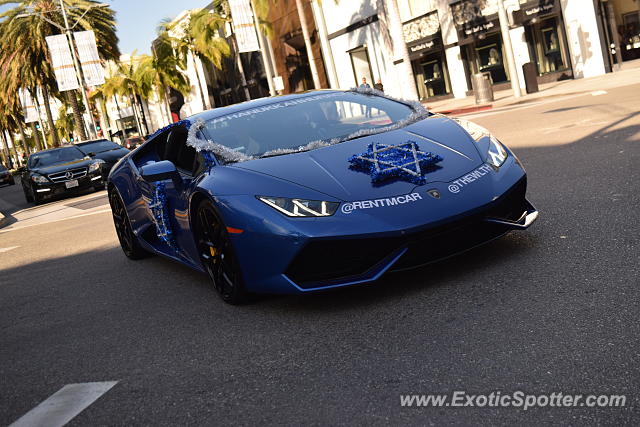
[{"x": 255, "y": 103}]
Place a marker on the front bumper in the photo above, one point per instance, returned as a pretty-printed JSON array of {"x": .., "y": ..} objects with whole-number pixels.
[
  {"x": 327, "y": 263},
  {"x": 51, "y": 189},
  {"x": 280, "y": 255}
]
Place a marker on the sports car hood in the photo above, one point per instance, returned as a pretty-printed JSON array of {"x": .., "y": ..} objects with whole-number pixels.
[{"x": 327, "y": 169}]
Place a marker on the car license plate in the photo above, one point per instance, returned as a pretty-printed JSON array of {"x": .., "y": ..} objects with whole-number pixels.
[{"x": 72, "y": 183}]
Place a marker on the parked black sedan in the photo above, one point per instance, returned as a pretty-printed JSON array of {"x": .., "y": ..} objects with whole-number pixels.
[
  {"x": 105, "y": 150},
  {"x": 60, "y": 171},
  {"x": 5, "y": 176}
]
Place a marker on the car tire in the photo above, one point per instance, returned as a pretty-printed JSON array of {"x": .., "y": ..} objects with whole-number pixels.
[
  {"x": 37, "y": 200},
  {"x": 218, "y": 255},
  {"x": 128, "y": 240},
  {"x": 27, "y": 195}
]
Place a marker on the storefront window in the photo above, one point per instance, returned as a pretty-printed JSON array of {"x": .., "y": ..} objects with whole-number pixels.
[
  {"x": 431, "y": 76},
  {"x": 548, "y": 46},
  {"x": 631, "y": 35},
  {"x": 489, "y": 58}
]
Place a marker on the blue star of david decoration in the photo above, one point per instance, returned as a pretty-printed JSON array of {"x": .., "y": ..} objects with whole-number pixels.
[{"x": 391, "y": 162}]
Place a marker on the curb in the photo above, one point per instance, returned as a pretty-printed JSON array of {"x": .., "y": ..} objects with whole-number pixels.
[{"x": 465, "y": 110}]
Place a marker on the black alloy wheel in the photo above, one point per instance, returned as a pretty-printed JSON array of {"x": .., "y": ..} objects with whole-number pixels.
[
  {"x": 217, "y": 255},
  {"x": 128, "y": 241}
]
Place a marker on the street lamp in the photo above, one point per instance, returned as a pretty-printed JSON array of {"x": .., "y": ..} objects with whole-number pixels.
[{"x": 76, "y": 63}]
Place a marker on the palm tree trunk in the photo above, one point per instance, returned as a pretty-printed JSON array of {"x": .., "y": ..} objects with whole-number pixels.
[
  {"x": 36, "y": 135},
  {"x": 25, "y": 146},
  {"x": 307, "y": 43},
  {"x": 401, "y": 54},
  {"x": 13, "y": 144},
  {"x": 166, "y": 100},
  {"x": 140, "y": 101},
  {"x": 195, "y": 67},
  {"x": 7, "y": 153},
  {"x": 77, "y": 116},
  {"x": 47, "y": 109},
  {"x": 243, "y": 79},
  {"x": 135, "y": 113}
]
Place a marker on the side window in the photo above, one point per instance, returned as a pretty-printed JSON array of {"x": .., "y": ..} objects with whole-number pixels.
[
  {"x": 172, "y": 145},
  {"x": 177, "y": 151}
]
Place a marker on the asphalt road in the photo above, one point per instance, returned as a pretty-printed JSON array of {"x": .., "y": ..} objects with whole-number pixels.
[{"x": 552, "y": 309}]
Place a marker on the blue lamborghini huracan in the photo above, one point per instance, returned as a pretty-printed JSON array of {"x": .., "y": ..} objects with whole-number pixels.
[{"x": 313, "y": 191}]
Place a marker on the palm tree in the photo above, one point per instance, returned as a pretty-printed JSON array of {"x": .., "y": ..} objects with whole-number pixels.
[
  {"x": 200, "y": 36},
  {"x": 131, "y": 87},
  {"x": 26, "y": 29},
  {"x": 307, "y": 43},
  {"x": 64, "y": 125},
  {"x": 162, "y": 70},
  {"x": 11, "y": 119},
  {"x": 400, "y": 49}
]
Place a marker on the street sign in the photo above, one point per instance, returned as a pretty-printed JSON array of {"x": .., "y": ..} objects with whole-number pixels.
[
  {"x": 89, "y": 58},
  {"x": 243, "y": 25},
  {"x": 62, "y": 62}
]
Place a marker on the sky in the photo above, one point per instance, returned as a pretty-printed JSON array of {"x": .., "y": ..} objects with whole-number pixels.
[{"x": 137, "y": 20}]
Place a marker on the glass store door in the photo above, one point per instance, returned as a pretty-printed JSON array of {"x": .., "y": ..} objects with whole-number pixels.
[
  {"x": 489, "y": 58},
  {"x": 435, "y": 76}
]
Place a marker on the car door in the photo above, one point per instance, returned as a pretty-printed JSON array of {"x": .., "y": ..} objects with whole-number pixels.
[{"x": 171, "y": 221}]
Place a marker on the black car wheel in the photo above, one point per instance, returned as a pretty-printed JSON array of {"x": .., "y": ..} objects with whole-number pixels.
[
  {"x": 217, "y": 254},
  {"x": 128, "y": 241}
]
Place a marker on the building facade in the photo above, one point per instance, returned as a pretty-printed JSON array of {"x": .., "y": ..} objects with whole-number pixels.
[
  {"x": 450, "y": 40},
  {"x": 445, "y": 42}
]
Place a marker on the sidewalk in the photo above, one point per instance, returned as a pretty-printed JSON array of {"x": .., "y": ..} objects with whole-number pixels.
[
  {"x": 86, "y": 204},
  {"x": 629, "y": 74}
]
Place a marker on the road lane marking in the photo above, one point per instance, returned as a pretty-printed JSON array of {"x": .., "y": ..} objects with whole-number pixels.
[
  {"x": 10, "y": 248},
  {"x": 65, "y": 404},
  {"x": 599, "y": 92},
  {"x": 20, "y": 227}
]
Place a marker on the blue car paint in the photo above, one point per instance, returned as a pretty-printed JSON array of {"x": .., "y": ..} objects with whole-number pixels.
[{"x": 271, "y": 241}]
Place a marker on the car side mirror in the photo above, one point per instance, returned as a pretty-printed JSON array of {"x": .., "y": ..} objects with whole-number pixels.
[{"x": 160, "y": 171}]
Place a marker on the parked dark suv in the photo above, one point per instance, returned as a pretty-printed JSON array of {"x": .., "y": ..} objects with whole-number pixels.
[
  {"x": 59, "y": 171},
  {"x": 5, "y": 176}
]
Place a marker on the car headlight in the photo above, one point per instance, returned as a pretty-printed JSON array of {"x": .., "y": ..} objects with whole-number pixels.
[
  {"x": 300, "y": 207},
  {"x": 39, "y": 179},
  {"x": 95, "y": 166},
  {"x": 488, "y": 144}
]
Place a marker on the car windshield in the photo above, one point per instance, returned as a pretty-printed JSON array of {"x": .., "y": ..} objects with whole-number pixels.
[
  {"x": 98, "y": 146},
  {"x": 54, "y": 157},
  {"x": 297, "y": 122}
]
